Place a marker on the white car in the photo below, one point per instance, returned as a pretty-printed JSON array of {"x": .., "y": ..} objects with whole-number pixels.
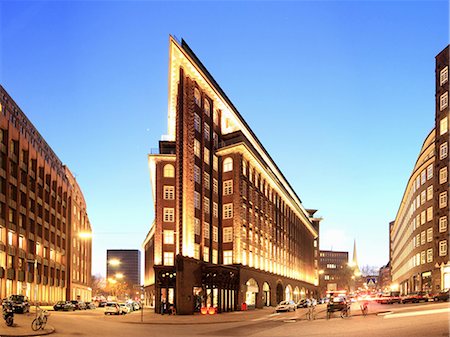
[
  {"x": 125, "y": 308},
  {"x": 286, "y": 306},
  {"x": 113, "y": 308}
]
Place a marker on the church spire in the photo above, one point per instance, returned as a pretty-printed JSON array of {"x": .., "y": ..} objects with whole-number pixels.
[{"x": 355, "y": 258}]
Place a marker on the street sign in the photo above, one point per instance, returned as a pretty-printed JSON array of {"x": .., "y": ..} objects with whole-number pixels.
[{"x": 371, "y": 281}]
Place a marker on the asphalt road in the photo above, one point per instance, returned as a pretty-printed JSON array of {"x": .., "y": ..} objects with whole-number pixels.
[{"x": 414, "y": 320}]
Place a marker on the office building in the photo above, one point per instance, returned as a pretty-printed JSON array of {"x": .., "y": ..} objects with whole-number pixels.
[{"x": 124, "y": 265}]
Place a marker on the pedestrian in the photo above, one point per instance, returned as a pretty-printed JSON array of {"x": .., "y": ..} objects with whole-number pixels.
[{"x": 163, "y": 306}]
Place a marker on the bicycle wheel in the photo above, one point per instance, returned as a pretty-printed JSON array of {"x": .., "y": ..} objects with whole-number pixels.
[
  {"x": 36, "y": 324},
  {"x": 9, "y": 321},
  {"x": 43, "y": 322}
]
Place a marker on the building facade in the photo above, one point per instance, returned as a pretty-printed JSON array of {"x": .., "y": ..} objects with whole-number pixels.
[
  {"x": 419, "y": 235},
  {"x": 385, "y": 278},
  {"x": 35, "y": 204},
  {"x": 124, "y": 265},
  {"x": 335, "y": 272},
  {"x": 228, "y": 229}
]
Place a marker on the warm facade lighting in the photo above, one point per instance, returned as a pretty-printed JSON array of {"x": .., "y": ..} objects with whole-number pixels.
[
  {"x": 85, "y": 235},
  {"x": 114, "y": 262},
  {"x": 119, "y": 276}
]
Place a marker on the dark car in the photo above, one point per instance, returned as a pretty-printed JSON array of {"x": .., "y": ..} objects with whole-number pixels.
[
  {"x": 79, "y": 305},
  {"x": 337, "y": 303},
  {"x": 20, "y": 303},
  {"x": 389, "y": 298},
  {"x": 102, "y": 304},
  {"x": 415, "y": 297},
  {"x": 90, "y": 305},
  {"x": 64, "y": 306},
  {"x": 442, "y": 296}
]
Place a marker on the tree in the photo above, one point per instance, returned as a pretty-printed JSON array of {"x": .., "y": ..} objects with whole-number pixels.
[
  {"x": 98, "y": 285},
  {"x": 367, "y": 270}
]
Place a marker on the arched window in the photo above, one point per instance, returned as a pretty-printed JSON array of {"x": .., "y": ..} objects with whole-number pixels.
[
  {"x": 197, "y": 97},
  {"x": 206, "y": 107},
  {"x": 169, "y": 171},
  {"x": 216, "y": 117},
  {"x": 227, "y": 164}
]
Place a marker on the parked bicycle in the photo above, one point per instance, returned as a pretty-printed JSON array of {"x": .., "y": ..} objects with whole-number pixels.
[
  {"x": 345, "y": 313},
  {"x": 41, "y": 319},
  {"x": 364, "y": 308},
  {"x": 311, "y": 314},
  {"x": 8, "y": 313}
]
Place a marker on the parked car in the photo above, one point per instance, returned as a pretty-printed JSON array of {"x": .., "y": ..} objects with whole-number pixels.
[
  {"x": 90, "y": 305},
  {"x": 442, "y": 296},
  {"x": 337, "y": 303},
  {"x": 136, "y": 306},
  {"x": 102, "y": 304},
  {"x": 286, "y": 306},
  {"x": 79, "y": 305},
  {"x": 20, "y": 303},
  {"x": 304, "y": 303},
  {"x": 125, "y": 308},
  {"x": 389, "y": 298},
  {"x": 113, "y": 308},
  {"x": 415, "y": 297},
  {"x": 64, "y": 306}
]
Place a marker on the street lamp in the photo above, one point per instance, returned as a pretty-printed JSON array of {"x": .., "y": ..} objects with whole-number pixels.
[
  {"x": 119, "y": 276},
  {"x": 114, "y": 262}
]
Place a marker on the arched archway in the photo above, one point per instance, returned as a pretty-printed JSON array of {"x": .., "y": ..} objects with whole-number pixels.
[
  {"x": 250, "y": 294},
  {"x": 266, "y": 294},
  {"x": 304, "y": 294},
  {"x": 296, "y": 294},
  {"x": 280, "y": 293},
  {"x": 288, "y": 293}
]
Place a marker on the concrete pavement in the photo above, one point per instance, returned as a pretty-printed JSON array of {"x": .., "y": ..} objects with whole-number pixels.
[{"x": 22, "y": 326}]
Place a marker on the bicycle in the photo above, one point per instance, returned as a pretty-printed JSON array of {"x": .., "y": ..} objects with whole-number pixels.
[
  {"x": 364, "y": 309},
  {"x": 41, "y": 319},
  {"x": 345, "y": 313},
  {"x": 311, "y": 314}
]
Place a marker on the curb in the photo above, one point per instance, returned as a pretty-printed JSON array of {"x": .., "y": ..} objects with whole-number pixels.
[
  {"x": 180, "y": 323},
  {"x": 45, "y": 332}
]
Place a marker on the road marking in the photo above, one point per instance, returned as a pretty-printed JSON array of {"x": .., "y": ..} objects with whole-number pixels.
[{"x": 418, "y": 313}]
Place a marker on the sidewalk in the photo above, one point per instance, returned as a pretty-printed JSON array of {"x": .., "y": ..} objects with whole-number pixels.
[{"x": 22, "y": 326}]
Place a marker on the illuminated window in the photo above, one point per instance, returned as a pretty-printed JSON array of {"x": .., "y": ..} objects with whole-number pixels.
[
  {"x": 430, "y": 213},
  {"x": 422, "y": 197},
  {"x": 215, "y": 186},
  {"x": 244, "y": 167},
  {"x": 197, "y": 251},
  {"x": 169, "y": 192},
  {"x": 215, "y": 210},
  {"x": 197, "y": 122},
  {"x": 169, "y": 171},
  {"x": 228, "y": 211},
  {"x": 443, "y": 151},
  {"x": 169, "y": 214},
  {"x": 206, "y": 131},
  {"x": 422, "y": 238},
  {"x": 444, "y": 75},
  {"x": 442, "y": 224},
  {"x": 443, "y": 175},
  {"x": 168, "y": 259},
  {"x": 444, "y": 100},
  {"x": 197, "y": 148},
  {"x": 326, "y": 277},
  {"x": 10, "y": 238},
  {"x": 206, "y": 205},
  {"x": 429, "y": 234},
  {"x": 418, "y": 259},
  {"x": 430, "y": 192},
  {"x": 197, "y": 174},
  {"x": 215, "y": 256},
  {"x": 21, "y": 239},
  {"x": 429, "y": 255},
  {"x": 197, "y": 200},
  {"x": 422, "y": 218},
  {"x": 430, "y": 172},
  {"x": 206, "y": 155},
  {"x": 443, "y": 126},
  {"x": 206, "y": 181},
  {"x": 196, "y": 226},
  {"x": 227, "y": 164},
  {"x": 443, "y": 248},
  {"x": 206, "y": 230},
  {"x": 206, "y": 107},
  {"x": 216, "y": 117},
  {"x": 418, "y": 239},
  {"x": 206, "y": 254},
  {"x": 227, "y": 257},
  {"x": 215, "y": 234},
  {"x": 227, "y": 234},
  {"x": 168, "y": 237},
  {"x": 228, "y": 187},
  {"x": 197, "y": 97},
  {"x": 422, "y": 257},
  {"x": 215, "y": 163},
  {"x": 443, "y": 199}
]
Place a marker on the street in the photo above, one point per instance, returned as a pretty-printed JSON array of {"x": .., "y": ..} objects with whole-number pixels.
[{"x": 413, "y": 320}]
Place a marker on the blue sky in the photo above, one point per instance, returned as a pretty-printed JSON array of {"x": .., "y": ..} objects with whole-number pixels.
[{"x": 341, "y": 94}]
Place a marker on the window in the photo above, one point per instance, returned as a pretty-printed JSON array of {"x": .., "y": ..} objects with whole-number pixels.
[
  {"x": 168, "y": 237},
  {"x": 228, "y": 211},
  {"x": 216, "y": 117},
  {"x": 244, "y": 167},
  {"x": 206, "y": 180},
  {"x": 21, "y": 241},
  {"x": 430, "y": 192},
  {"x": 169, "y": 171},
  {"x": 215, "y": 186},
  {"x": 444, "y": 100},
  {"x": 423, "y": 177},
  {"x": 442, "y": 224},
  {"x": 443, "y": 76},
  {"x": 206, "y": 231},
  {"x": 227, "y": 257},
  {"x": 197, "y": 200},
  {"x": 227, "y": 164},
  {"x": 168, "y": 259},
  {"x": 196, "y": 251},
  {"x": 429, "y": 234},
  {"x": 197, "y": 122},
  {"x": 206, "y": 107},
  {"x": 215, "y": 234},
  {"x": 417, "y": 239},
  {"x": 422, "y": 238},
  {"x": 197, "y": 97},
  {"x": 429, "y": 255},
  {"x": 443, "y": 126},
  {"x": 196, "y": 226},
  {"x": 326, "y": 277},
  {"x": 197, "y": 174},
  {"x": 443, "y": 151},
  {"x": 227, "y": 234},
  {"x": 206, "y": 131},
  {"x": 215, "y": 140},
  {"x": 206, "y": 205},
  {"x": 422, "y": 197},
  {"x": 443, "y": 199},
  {"x": 197, "y": 148},
  {"x": 169, "y": 192},
  {"x": 10, "y": 238},
  {"x": 422, "y": 217},
  {"x": 443, "y": 248},
  {"x": 169, "y": 214},
  {"x": 430, "y": 172},
  {"x": 214, "y": 256},
  {"x": 215, "y": 210},
  {"x": 443, "y": 175},
  {"x": 206, "y": 155},
  {"x": 215, "y": 163},
  {"x": 228, "y": 187},
  {"x": 422, "y": 257},
  {"x": 430, "y": 213},
  {"x": 206, "y": 254}
]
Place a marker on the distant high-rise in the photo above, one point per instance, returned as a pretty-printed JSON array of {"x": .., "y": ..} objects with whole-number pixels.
[{"x": 124, "y": 265}]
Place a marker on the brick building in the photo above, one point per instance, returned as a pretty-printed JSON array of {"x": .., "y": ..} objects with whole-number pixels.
[
  {"x": 335, "y": 272},
  {"x": 37, "y": 228},
  {"x": 126, "y": 263},
  {"x": 228, "y": 226},
  {"x": 419, "y": 234}
]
